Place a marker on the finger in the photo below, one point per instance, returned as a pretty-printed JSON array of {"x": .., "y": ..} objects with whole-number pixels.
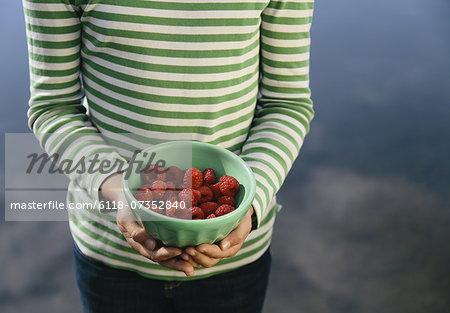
[
  {"x": 188, "y": 258},
  {"x": 228, "y": 245},
  {"x": 140, "y": 248},
  {"x": 179, "y": 265},
  {"x": 217, "y": 253},
  {"x": 238, "y": 235},
  {"x": 141, "y": 241},
  {"x": 185, "y": 256},
  {"x": 131, "y": 229},
  {"x": 164, "y": 253},
  {"x": 193, "y": 263},
  {"x": 201, "y": 258},
  {"x": 212, "y": 251}
]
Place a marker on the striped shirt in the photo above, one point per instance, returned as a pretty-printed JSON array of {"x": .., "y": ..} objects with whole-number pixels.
[{"x": 234, "y": 73}]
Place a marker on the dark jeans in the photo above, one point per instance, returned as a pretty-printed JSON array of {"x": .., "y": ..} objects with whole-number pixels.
[{"x": 110, "y": 290}]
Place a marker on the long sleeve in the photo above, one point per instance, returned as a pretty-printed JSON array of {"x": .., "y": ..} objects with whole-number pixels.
[
  {"x": 284, "y": 108},
  {"x": 56, "y": 114}
]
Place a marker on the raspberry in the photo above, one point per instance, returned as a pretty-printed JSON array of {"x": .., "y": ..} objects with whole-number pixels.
[
  {"x": 229, "y": 186},
  {"x": 170, "y": 212},
  {"x": 152, "y": 173},
  {"x": 216, "y": 190},
  {"x": 170, "y": 195},
  {"x": 211, "y": 216},
  {"x": 193, "y": 178},
  {"x": 158, "y": 188},
  {"x": 226, "y": 200},
  {"x": 189, "y": 196},
  {"x": 224, "y": 209},
  {"x": 159, "y": 210},
  {"x": 173, "y": 173},
  {"x": 209, "y": 177},
  {"x": 209, "y": 207},
  {"x": 177, "y": 212},
  {"x": 197, "y": 195},
  {"x": 144, "y": 194},
  {"x": 170, "y": 186},
  {"x": 206, "y": 194},
  {"x": 197, "y": 213}
]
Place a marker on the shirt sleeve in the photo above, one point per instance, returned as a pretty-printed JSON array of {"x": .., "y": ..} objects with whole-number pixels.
[
  {"x": 284, "y": 110},
  {"x": 56, "y": 113}
]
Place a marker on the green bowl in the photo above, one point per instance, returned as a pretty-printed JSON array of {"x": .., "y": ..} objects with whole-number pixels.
[{"x": 186, "y": 154}]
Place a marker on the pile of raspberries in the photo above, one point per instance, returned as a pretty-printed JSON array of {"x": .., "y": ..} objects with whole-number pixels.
[{"x": 202, "y": 196}]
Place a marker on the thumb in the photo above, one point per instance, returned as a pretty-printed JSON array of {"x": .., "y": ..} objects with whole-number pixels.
[
  {"x": 237, "y": 236},
  {"x": 131, "y": 229}
]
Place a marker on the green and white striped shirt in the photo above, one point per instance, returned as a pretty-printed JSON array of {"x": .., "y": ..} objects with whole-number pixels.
[{"x": 234, "y": 73}]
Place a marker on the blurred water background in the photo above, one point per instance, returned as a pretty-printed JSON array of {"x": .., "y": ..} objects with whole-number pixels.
[{"x": 365, "y": 224}]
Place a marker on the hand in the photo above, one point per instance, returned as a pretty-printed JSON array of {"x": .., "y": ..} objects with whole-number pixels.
[
  {"x": 135, "y": 234},
  {"x": 208, "y": 255}
]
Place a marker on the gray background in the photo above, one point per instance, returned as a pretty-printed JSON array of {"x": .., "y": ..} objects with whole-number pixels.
[{"x": 365, "y": 223}]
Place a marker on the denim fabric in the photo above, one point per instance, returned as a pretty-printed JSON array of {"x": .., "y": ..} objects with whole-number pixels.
[{"x": 105, "y": 289}]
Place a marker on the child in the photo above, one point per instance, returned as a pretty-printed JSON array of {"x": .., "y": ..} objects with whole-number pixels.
[{"x": 232, "y": 73}]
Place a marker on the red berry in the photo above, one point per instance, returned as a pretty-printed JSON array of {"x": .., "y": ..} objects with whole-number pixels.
[
  {"x": 173, "y": 173},
  {"x": 226, "y": 200},
  {"x": 144, "y": 194},
  {"x": 170, "y": 195},
  {"x": 170, "y": 186},
  {"x": 170, "y": 212},
  {"x": 224, "y": 209},
  {"x": 159, "y": 210},
  {"x": 152, "y": 173},
  {"x": 197, "y": 196},
  {"x": 193, "y": 178},
  {"x": 190, "y": 197},
  {"x": 209, "y": 207},
  {"x": 158, "y": 188},
  {"x": 209, "y": 177},
  {"x": 176, "y": 211},
  {"x": 216, "y": 190},
  {"x": 197, "y": 213},
  {"x": 211, "y": 216},
  {"x": 206, "y": 194},
  {"x": 229, "y": 186}
]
